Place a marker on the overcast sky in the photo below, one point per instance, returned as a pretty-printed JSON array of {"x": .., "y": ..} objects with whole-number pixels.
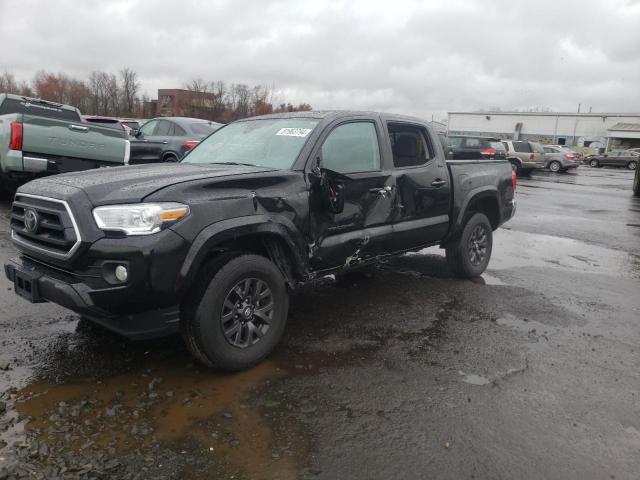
[{"x": 415, "y": 57}]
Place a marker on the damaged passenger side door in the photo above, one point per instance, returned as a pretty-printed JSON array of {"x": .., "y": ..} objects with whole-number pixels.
[{"x": 353, "y": 199}]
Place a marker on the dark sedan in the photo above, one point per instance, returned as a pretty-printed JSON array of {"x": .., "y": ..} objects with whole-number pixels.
[
  {"x": 616, "y": 158},
  {"x": 167, "y": 139}
]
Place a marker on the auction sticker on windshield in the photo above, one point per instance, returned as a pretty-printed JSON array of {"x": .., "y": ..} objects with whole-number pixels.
[{"x": 294, "y": 132}]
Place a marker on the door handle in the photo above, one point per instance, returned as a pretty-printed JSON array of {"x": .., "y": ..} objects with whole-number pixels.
[
  {"x": 164, "y": 142},
  {"x": 78, "y": 128},
  {"x": 438, "y": 183}
]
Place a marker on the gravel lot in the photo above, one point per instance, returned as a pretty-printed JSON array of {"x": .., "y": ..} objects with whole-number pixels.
[{"x": 401, "y": 372}]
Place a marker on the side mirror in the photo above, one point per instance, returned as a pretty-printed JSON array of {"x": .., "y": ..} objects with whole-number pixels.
[{"x": 135, "y": 132}]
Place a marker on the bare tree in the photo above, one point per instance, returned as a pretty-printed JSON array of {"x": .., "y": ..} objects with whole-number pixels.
[
  {"x": 8, "y": 83},
  {"x": 130, "y": 87}
]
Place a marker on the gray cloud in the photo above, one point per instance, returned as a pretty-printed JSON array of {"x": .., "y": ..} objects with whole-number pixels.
[{"x": 406, "y": 56}]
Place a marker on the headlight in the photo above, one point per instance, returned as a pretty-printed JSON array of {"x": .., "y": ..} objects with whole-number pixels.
[{"x": 138, "y": 218}]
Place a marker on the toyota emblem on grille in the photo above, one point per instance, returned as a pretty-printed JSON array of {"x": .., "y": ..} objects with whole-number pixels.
[{"x": 31, "y": 220}]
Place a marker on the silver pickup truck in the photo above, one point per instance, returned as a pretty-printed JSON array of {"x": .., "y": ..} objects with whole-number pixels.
[{"x": 40, "y": 138}]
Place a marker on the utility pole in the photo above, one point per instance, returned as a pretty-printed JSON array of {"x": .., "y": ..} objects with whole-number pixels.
[{"x": 579, "y": 107}]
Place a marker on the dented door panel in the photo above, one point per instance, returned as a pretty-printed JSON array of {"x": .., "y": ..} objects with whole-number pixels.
[{"x": 350, "y": 236}]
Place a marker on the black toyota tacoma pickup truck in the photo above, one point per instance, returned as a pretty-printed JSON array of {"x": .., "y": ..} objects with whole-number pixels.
[{"x": 212, "y": 246}]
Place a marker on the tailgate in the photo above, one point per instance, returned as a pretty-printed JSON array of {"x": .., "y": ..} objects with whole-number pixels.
[{"x": 53, "y": 137}]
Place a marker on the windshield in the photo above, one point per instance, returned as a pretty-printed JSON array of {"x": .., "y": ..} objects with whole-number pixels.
[{"x": 271, "y": 143}]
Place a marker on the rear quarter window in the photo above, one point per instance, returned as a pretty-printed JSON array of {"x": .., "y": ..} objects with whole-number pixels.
[
  {"x": 11, "y": 105},
  {"x": 522, "y": 147}
]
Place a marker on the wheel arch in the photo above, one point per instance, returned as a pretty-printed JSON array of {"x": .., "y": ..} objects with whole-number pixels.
[
  {"x": 170, "y": 153},
  {"x": 258, "y": 234},
  {"x": 481, "y": 201}
]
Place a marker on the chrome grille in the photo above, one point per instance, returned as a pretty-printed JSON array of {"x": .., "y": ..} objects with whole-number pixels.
[{"x": 55, "y": 232}]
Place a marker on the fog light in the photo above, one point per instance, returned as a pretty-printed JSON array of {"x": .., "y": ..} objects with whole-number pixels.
[{"x": 121, "y": 273}]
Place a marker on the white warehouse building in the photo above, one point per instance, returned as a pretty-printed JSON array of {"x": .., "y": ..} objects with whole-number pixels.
[{"x": 583, "y": 130}]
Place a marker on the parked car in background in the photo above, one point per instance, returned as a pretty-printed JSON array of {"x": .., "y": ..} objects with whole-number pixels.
[
  {"x": 524, "y": 155},
  {"x": 132, "y": 123},
  {"x": 616, "y": 158},
  {"x": 168, "y": 139},
  {"x": 559, "y": 158},
  {"x": 459, "y": 147},
  {"x": 107, "y": 122},
  {"x": 43, "y": 138}
]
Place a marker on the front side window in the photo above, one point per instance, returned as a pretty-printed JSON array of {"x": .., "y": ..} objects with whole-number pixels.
[
  {"x": 352, "y": 147},
  {"x": 269, "y": 142},
  {"x": 408, "y": 145},
  {"x": 149, "y": 127}
]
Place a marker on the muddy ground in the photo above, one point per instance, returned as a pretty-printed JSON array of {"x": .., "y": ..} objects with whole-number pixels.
[{"x": 531, "y": 372}]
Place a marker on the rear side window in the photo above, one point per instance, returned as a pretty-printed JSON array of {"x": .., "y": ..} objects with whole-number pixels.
[
  {"x": 497, "y": 146},
  {"x": 455, "y": 142},
  {"x": 522, "y": 147},
  {"x": 178, "y": 131},
  {"x": 473, "y": 143},
  {"x": 165, "y": 129},
  {"x": 204, "y": 128},
  {"x": 352, "y": 147},
  {"x": 11, "y": 105},
  {"x": 409, "y": 146}
]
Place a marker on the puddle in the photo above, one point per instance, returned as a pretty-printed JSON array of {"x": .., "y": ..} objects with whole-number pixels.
[
  {"x": 210, "y": 416},
  {"x": 473, "y": 379},
  {"x": 513, "y": 249}
]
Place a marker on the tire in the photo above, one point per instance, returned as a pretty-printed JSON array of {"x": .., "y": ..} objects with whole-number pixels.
[
  {"x": 463, "y": 256},
  {"x": 555, "y": 166},
  {"x": 228, "y": 282},
  {"x": 594, "y": 163},
  {"x": 170, "y": 158},
  {"x": 632, "y": 165},
  {"x": 636, "y": 184}
]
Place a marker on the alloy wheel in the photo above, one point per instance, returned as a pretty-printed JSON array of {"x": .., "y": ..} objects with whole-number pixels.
[
  {"x": 247, "y": 312},
  {"x": 477, "y": 247}
]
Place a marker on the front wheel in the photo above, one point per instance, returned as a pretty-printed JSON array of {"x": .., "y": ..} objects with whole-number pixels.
[
  {"x": 632, "y": 165},
  {"x": 555, "y": 166},
  {"x": 594, "y": 164},
  {"x": 470, "y": 254},
  {"x": 237, "y": 312}
]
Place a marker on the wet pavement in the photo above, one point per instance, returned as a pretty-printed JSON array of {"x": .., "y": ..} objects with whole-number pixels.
[{"x": 532, "y": 371}]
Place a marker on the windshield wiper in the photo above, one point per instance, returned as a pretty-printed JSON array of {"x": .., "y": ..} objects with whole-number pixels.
[{"x": 233, "y": 163}]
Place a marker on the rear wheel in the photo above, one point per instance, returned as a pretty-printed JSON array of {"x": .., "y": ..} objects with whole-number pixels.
[
  {"x": 237, "y": 312},
  {"x": 470, "y": 254},
  {"x": 170, "y": 158},
  {"x": 594, "y": 163},
  {"x": 555, "y": 166},
  {"x": 632, "y": 165}
]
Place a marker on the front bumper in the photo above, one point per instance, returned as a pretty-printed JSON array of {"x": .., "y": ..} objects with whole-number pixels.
[{"x": 39, "y": 284}]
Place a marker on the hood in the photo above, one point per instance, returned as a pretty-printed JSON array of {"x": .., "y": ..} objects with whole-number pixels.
[{"x": 131, "y": 184}]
